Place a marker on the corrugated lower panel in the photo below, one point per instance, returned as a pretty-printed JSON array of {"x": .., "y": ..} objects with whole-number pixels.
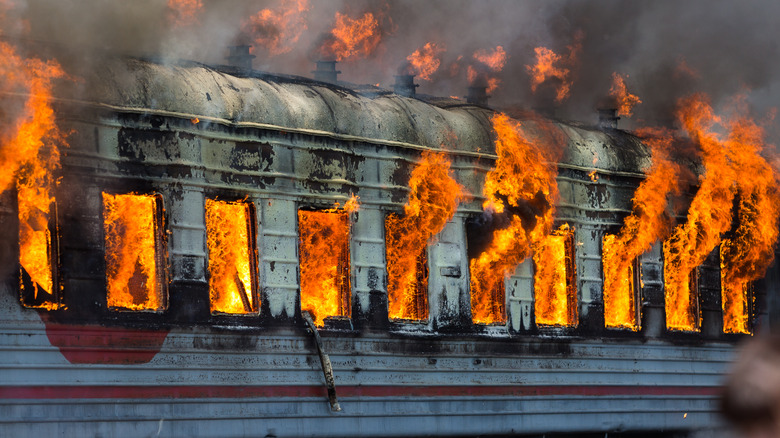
[{"x": 216, "y": 383}]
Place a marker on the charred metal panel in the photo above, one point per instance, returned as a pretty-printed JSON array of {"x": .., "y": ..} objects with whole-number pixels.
[
  {"x": 368, "y": 263},
  {"x": 187, "y": 242},
  {"x": 710, "y": 296},
  {"x": 652, "y": 292},
  {"x": 520, "y": 291},
  {"x": 279, "y": 257},
  {"x": 448, "y": 282},
  {"x": 587, "y": 246}
]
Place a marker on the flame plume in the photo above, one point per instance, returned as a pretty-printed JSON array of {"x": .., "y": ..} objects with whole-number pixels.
[
  {"x": 231, "y": 257},
  {"x": 647, "y": 223},
  {"x": 556, "y": 69},
  {"x": 29, "y": 155},
  {"x": 352, "y": 38},
  {"x": 625, "y": 100},
  {"x": 490, "y": 61},
  {"x": 426, "y": 60},
  {"x": 709, "y": 215},
  {"x": 184, "y": 12},
  {"x": 747, "y": 254},
  {"x": 555, "y": 291},
  {"x": 521, "y": 184},
  {"x": 433, "y": 198},
  {"x": 325, "y": 262},
  {"x": 278, "y": 29},
  {"x": 494, "y": 59},
  {"x": 133, "y": 260}
]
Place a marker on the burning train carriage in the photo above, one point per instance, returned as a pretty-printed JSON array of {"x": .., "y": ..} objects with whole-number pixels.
[{"x": 219, "y": 172}]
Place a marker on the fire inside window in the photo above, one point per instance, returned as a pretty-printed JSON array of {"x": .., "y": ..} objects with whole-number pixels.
[
  {"x": 324, "y": 253},
  {"x": 681, "y": 303},
  {"x": 736, "y": 296},
  {"x": 621, "y": 286},
  {"x": 37, "y": 252},
  {"x": 555, "y": 289},
  {"x": 232, "y": 265},
  {"x": 135, "y": 252},
  {"x": 407, "y": 273}
]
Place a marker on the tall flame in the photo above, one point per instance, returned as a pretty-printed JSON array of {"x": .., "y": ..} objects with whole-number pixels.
[
  {"x": 184, "y": 12},
  {"x": 231, "y": 257},
  {"x": 555, "y": 68},
  {"x": 352, "y": 38},
  {"x": 426, "y": 60},
  {"x": 325, "y": 262},
  {"x": 747, "y": 254},
  {"x": 625, "y": 100},
  {"x": 523, "y": 185},
  {"x": 647, "y": 223},
  {"x": 555, "y": 289},
  {"x": 709, "y": 215},
  {"x": 29, "y": 155},
  {"x": 433, "y": 198},
  {"x": 133, "y": 259},
  {"x": 278, "y": 29}
]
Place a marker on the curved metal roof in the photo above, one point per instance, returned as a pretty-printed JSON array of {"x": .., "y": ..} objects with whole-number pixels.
[{"x": 195, "y": 90}]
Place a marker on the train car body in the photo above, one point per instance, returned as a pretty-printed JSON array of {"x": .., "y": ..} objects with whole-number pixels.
[{"x": 188, "y": 133}]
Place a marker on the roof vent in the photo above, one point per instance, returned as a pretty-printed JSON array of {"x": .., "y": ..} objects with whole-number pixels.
[
  {"x": 477, "y": 95},
  {"x": 326, "y": 71},
  {"x": 608, "y": 118},
  {"x": 405, "y": 86},
  {"x": 240, "y": 57}
]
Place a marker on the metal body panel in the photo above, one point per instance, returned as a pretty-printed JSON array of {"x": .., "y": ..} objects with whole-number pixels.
[
  {"x": 207, "y": 382},
  {"x": 191, "y": 133}
]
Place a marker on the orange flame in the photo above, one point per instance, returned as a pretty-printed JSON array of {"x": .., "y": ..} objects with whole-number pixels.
[
  {"x": 184, "y": 12},
  {"x": 489, "y": 61},
  {"x": 29, "y": 155},
  {"x": 625, "y": 100},
  {"x": 433, "y": 198},
  {"x": 133, "y": 258},
  {"x": 747, "y": 254},
  {"x": 229, "y": 239},
  {"x": 278, "y": 29},
  {"x": 494, "y": 59},
  {"x": 647, "y": 223},
  {"x": 555, "y": 289},
  {"x": 556, "y": 68},
  {"x": 325, "y": 263},
  {"x": 352, "y": 38},
  {"x": 522, "y": 180},
  {"x": 426, "y": 60},
  {"x": 708, "y": 216}
]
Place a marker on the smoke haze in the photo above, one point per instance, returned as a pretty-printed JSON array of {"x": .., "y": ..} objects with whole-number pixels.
[{"x": 665, "y": 48}]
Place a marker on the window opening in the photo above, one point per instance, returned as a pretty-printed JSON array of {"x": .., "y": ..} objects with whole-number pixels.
[
  {"x": 325, "y": 263},
  {"x": 555, "y": 289},
  {"x": 232, "y": 262},
  {"x": 135, "y": 253}
]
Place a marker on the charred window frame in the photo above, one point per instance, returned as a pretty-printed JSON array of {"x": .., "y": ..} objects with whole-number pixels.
[
  {"x": 546, "y": 312},
  {"x": 412, "y": 304},
  {"x": 224, "y": 254},
  {"x": 630, "y": 315},
  {"x": 324, "y": 245},
  {"x": 123, "y": 229},
  {"x": 692, "y": 311},
  {"x": 32, "y": 293}
]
